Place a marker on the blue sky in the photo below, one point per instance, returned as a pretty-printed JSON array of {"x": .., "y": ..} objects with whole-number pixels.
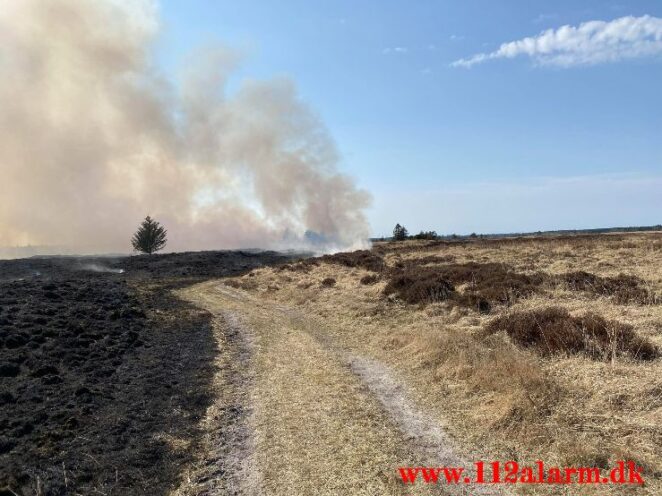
[{"x": 509, "y": 144}]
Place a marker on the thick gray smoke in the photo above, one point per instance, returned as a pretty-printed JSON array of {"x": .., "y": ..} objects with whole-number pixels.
[{"x": 93, "y": 138}]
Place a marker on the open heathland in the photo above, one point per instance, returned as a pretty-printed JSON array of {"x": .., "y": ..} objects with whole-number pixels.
[{"x": 531, "y": 348}]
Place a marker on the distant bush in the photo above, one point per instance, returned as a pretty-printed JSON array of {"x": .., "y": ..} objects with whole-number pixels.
[
  {"x": 426, "y": 235},
  {"x": 329, "y": 282},
  {"x": 553, "y": 330}
]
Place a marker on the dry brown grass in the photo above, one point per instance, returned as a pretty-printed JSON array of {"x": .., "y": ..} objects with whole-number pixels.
[{"x": 503, "y": 400}]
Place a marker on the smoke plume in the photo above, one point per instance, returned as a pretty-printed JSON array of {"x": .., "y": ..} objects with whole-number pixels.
[{"x": 93, "y": 138}]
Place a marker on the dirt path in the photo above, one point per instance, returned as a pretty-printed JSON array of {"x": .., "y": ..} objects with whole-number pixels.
[
  {"x": 298, "y": 414},
  {"x": 225, "y": 463}
]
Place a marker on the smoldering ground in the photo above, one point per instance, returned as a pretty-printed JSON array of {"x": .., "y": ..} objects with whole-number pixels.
[
  {"x": 93, "y": 137},
  {"x": 100, "y": 371}
]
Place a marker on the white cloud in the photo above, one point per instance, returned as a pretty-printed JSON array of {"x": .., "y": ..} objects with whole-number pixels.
[
  {"x": 395, "y": 50},
  {"x": 591, "y": 42}
]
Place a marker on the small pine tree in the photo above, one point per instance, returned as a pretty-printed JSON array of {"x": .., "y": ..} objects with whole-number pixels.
[
  {"x": 150, "y": 237},
  {"x": 400, "y": 233}
]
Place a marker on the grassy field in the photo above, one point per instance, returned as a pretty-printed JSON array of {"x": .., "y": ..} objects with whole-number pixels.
[{"x": 520, "y": 349}]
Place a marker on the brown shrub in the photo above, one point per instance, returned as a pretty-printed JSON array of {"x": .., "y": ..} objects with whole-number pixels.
[
  {"x": 622, "y": 288},
  {"x": 487, "y": 284},
  {"x": 496, "y": 283},
  {"x": 369, "y": 279},
  {"x": 419, "y": 285},
  {"x": 328, "y": 282},
  {"x": 580, "y": 280},
  {"x": 364, "y": 259},
  {"x": 553, "y": 331}
]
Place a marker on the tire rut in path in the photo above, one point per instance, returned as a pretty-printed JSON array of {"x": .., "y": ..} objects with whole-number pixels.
[
  {"x": 421, "y": 437},
  {"x": 225, "y": 466},
  {"x": 426, "y": 440}
]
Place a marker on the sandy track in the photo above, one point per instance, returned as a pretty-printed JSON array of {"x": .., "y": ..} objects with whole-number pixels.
[
  {"x": 225, "y": 463},
  {"x": 307, "y": 416}
]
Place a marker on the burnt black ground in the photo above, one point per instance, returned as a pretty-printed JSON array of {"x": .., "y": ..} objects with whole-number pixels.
[{"x": 104, "y": 375}]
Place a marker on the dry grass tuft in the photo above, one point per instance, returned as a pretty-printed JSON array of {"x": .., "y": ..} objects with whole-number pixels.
[
  {"x": 432, "y": 259},
  {"x": 552, "y": 331},
  {"x": 303, "y": 266},
  {"x": 497, "y": 368},
  {"x": 245, "y": 284}
]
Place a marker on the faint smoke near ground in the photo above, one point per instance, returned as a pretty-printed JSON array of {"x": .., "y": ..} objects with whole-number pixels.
[
  {"x": 94, "y": 267},
  {"x": 93, "y": 138}
]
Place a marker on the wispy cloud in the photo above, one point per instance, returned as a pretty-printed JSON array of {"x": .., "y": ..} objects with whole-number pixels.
[
  {"x": 545, "y": 18},
  {"x": 395, "y": 50},
  {"x": 591, "y": 42}
]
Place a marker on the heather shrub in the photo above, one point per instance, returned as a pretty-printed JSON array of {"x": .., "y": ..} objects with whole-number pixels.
[
  {"x": 369, "y": 279},
  {"x": 485, "y": 284},
  {"x": 552, "y": 331},
  {"x": 622, "y": 288},
  {"x": 419, "y": 285},
  {"x": 364, "y": 259}
]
